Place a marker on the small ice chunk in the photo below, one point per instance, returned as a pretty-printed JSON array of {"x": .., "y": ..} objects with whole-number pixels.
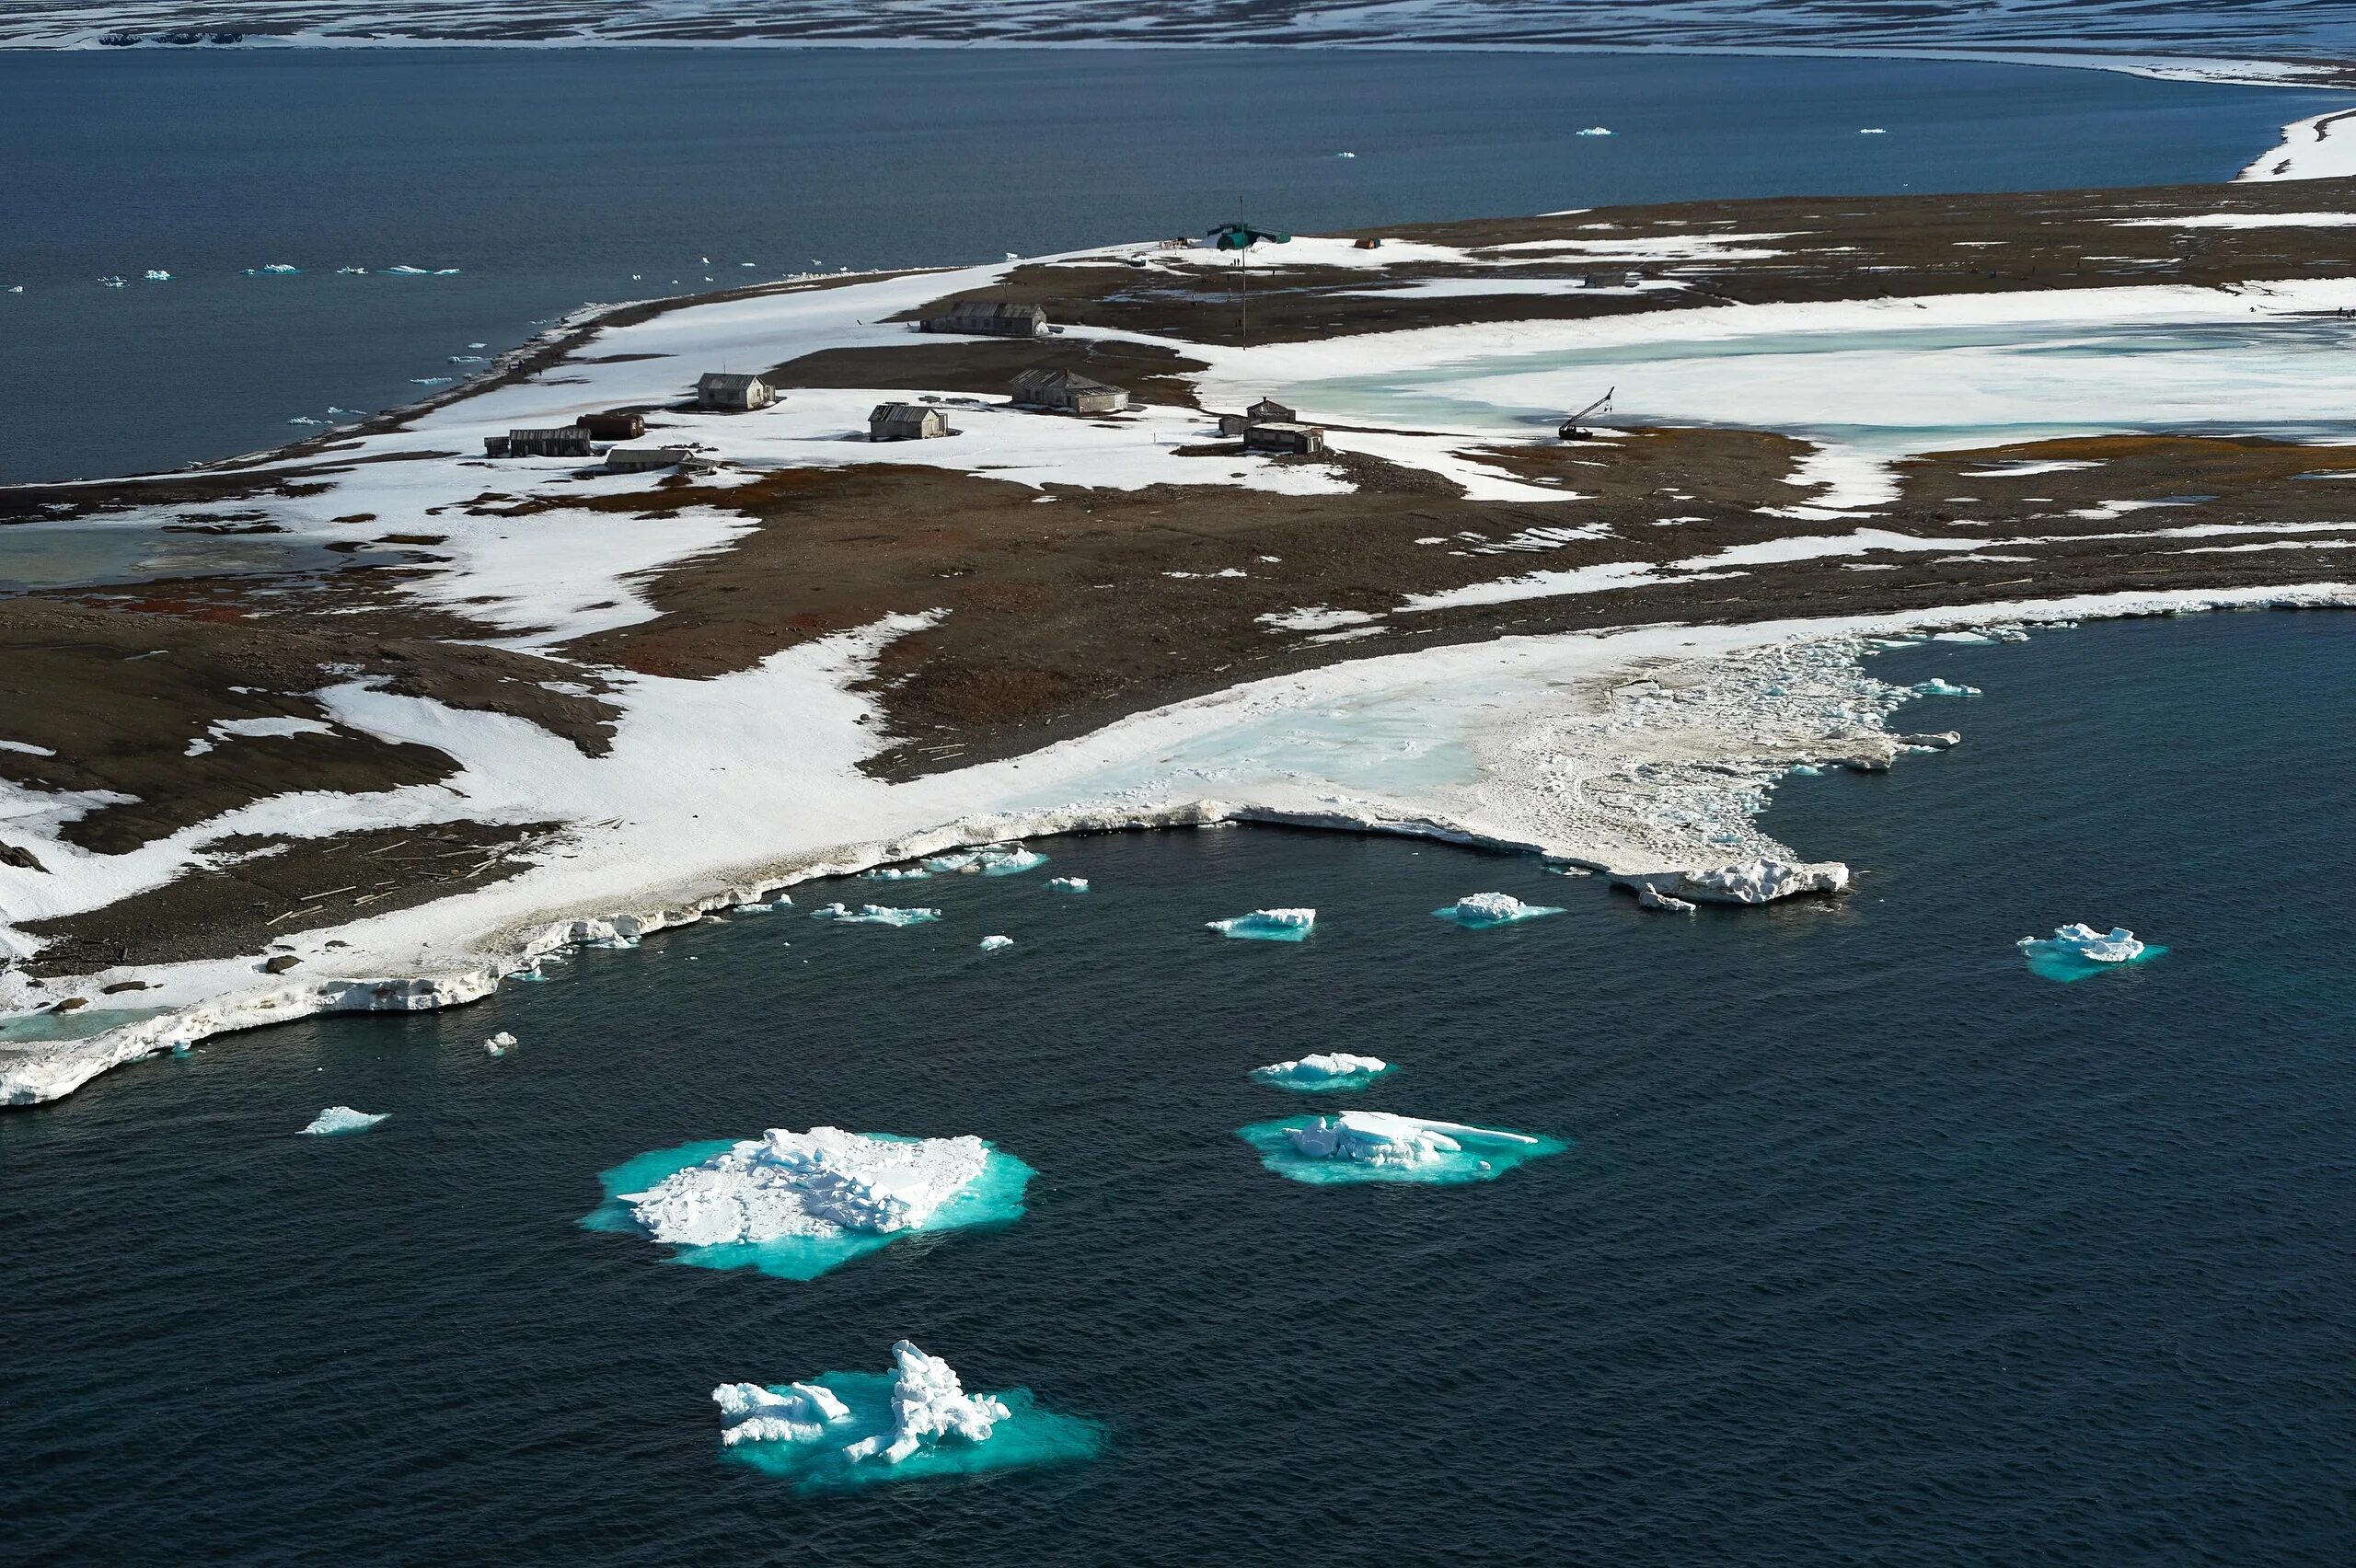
[
  {"x": 1648, "y": 897},
  {"x": 1478, "y": 909},
  {"x": 1871, "y": 131},
  {"x": 990, "y": 860},
  {"x": 928, "y": 1403},
  {"x": 992, "y": 944},
  {"x": 1325, "y": 1070},
  {"x": 874, "y": 915},
  {"x": 824, "y": 1182},
  {"x": 799, "y": 1413},
  {"x": 500, "y": 1044},
  {"x": 1937, "y": 688},
  {"x": 896, "y": 874},
  {"x": 337, "y": 1118},
  {"x": 1068, "y": 884},
  {"x": 1596, "y": 131},
  {"x": 157, "y": 275},
  {"x": 2084, "y": 941},
  {"x": 272, "y": 267},
  {"x": 1267, "y": 925}
]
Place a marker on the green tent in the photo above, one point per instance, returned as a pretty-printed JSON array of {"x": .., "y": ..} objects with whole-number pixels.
[{"x": 1243, "y": 236}]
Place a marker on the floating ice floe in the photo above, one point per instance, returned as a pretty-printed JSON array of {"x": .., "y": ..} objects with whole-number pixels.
[
  {"x": 1068, "y": 884},
  {"x": 1937, "y": 688},
  {"x": 342, "y": 1119},
  {"x": 1759, "y": 881},
  {"x": 990, "y": 860},
  {"x": 1478, "y": 909},
  {"x": 157, "y": 275},
  {"x": 1375, "y": 1145},
  {"x": 1345, "y": 155},
  {"x": 499, "y": 1044},
  {"x": 853, "y": 1428},
  {"x": 1267, "y": 925},
  {"x": 2074, "y": 952},
  {"x": 993, "y": 943},
  {"x": 1650, "y": 897},
  {"x": 112, "y": 283},
  {"x": 896, "y": 874},
  {"x": 274, "y": 267},
  {"x": 308, "y": 419},
  {"x": 1596, "y": 131},
  {"x": 466, "y": 359},
  {"x": 1871, "y": 131},
  {"x": 874, "y": 915},
  {"x": 352, "y": 271},
  {"x": 796, "y": 1205},
  {"x": 1323, "y": 1073}
]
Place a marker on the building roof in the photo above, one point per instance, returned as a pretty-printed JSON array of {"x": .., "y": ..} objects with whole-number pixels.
[
  {"x": 1067, "y": 380},
  {"x": 723, "y": 381},
  {"x": 901, "y": 412},
  {"x": 996, "y": 307}
]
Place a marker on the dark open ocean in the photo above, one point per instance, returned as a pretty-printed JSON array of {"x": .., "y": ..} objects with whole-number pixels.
[
  {"x": 1870, "y": 1247},
  {"x": 553, "y": 178}
]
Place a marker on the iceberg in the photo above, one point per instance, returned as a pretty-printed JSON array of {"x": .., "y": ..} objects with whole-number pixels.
[
  {"x": 1649, "y": 897},
  {"x": 2074, "y": 952},
  {"x": 1375, "y": 1145},
  {"x": 1476, "y": 910},
  {"x": 1595, "y": 131},
  {"x": 1323, "y": 1073},
  {"x": 991, "y": 860},
  {"x": 1267, "y": 925},
  {"x": 353, "y": 272},
  {"x": 874, "y": 915},
  {"x": 896, "y": 874},
  {"x": 1068, "y": 884},
  {"x": 1759, "y": 881},
  {"x": 992, "y": 944},
  {"x": 274, "y": 267},
  {"x": 854, "y": 1428},
  {"x": 343, "y": 1119},
  {"x": 1937, "y": 688},
  {"x": 796, "y": 1204},
  {"x": 500, "y": 1044},
  {"x": 408, "y": 271},
  {"x": 157, "y": 275}
]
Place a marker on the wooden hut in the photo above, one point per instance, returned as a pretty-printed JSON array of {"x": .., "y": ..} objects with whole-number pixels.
[
  {"x": 733, "y": 394},
  {"x": 1267, "y": 409},
  {"x": 568, "y": 440},
  {"x": 646, "y": 459},
  {"x": 989, "y": 318},
  {"x": 1066, "y": 392},
  {"x": 1284, "y": 435},
  {"x": 614, "y": 426},
  {"x": 905, "y": 421}
]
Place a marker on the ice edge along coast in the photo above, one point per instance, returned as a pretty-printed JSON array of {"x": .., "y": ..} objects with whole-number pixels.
[{"x": 1643, "y": 751}]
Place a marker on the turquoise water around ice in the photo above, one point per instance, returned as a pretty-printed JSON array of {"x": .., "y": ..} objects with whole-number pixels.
[
  {"x": 1031, "y": 1437},
  {"x": 994, "y": 1199},
  {"x": 1456, "y": 915},
  {"x": 2069, "y": 967},
  {"x": 1480, "y": 1159},
  {"x": 1338, "y": 1083}
]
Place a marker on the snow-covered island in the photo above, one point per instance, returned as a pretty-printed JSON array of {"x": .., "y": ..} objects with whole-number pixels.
[
  {"x": 854, "y": 1428},
  {"x": 550, "y": 713},
  {"x": 796, "y": 1204}
]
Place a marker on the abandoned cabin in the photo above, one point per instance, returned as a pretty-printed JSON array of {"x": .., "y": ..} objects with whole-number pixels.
[
  {"x": 1267, "y": 410},
  {"x": 733, "y": 394},
  {"x": 989, "y": 318},
  {"x": 614, "y": 426},
  {"x": 1284, "y": 435},
  {"x": 905, "y": 421},
  {"x": 1066, "y": 392},
  {"x": 571, "y": 441},
  {"x": 645, "y": 460}
]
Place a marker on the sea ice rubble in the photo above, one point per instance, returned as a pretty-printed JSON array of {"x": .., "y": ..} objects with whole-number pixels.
[
  {"x": 1068, "y": 884},
  {"x": 896, "y": 874},
  {"x": 993, "y": 943},
  {"x": 990, "y": 860},
  {"x": 343, "y": 1119},
  {"x": 1478, "y": 909},
  {"x": 1267, "y": 925},
  {"x": 1935, "y": 686},
  {"x": 1650, "y": 897},
  {"x": 1757, "y": 881},
  {"x": 874, "y": 915},
  {"x": 1323, "y": 1072},
  {"x": 823, "y": 1183},
  {"x": 928, "y": 1403},
  {"x": 799, "y": 1413}
]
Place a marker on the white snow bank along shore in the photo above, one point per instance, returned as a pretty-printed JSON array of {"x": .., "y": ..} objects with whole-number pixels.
[
  {"x": 796, "y": 1204},
  {"x": 337, "y": 1118},
  {"x": 1377, "y": 1146},
  {"x": 1323, "y": 1073},
  {"x": 1477, "y": 910},
  {"x": 2322, "y": 147},
  {"x": 850, "y": 1428},
  {"x": 1267, "y": 925},
  {"x": 2076, "y": 951}
]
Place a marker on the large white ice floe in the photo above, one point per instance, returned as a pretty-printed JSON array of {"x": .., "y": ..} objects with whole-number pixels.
[
  {"x": 928, "y": 1403},
  {"x": 343, "y": 1119},
  {"x": 1323, "y": 1071},
  {"x": 1379, "y": 1137},
  {"x": 1761, "y": 881},
  {"x": 1267, "y": 925},
  {"x": 1478, "y": 909},
  {"x": 874, "y": 915},
  {"x": 822, "y": 1184},
  {"x": 2074, "y": 952},
  {"x": 799, "y": 1413}
]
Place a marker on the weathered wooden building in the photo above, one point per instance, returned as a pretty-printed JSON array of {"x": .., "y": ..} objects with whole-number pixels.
[
  {"x": 614, "y": 426},
  {"x": 646, "y": 459},
  {"x": 1267, "y": 410},
  {"x": 905, "y": 421},
  {"x": 568, "y": 440},
  {"x": 1068, "y": 392},
  {"x": 733, "y": 394},
  {"x": 990, "y": 318},
  {"x": 1284, "y": 435}
]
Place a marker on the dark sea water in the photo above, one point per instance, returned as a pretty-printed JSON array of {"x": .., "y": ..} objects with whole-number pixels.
[
  {"x": 1870, "y": 1246},
  {"x": 551, "y": 178}
]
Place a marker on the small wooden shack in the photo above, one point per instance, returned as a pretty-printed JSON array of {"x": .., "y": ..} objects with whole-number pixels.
[
  {"x": 905, "y": 421},
  {"x": 733, "y": 394},
  {"x": 1284, "y": 435},
  {"x": 570, "y": 441},
  {"x": 1269, "y": 410},
  {"x": 989, "y": 318},
  {"x": 1068, "y": 392},
  {"x": 646, "y": 459},
  {"x": 614, "y": 426}
]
